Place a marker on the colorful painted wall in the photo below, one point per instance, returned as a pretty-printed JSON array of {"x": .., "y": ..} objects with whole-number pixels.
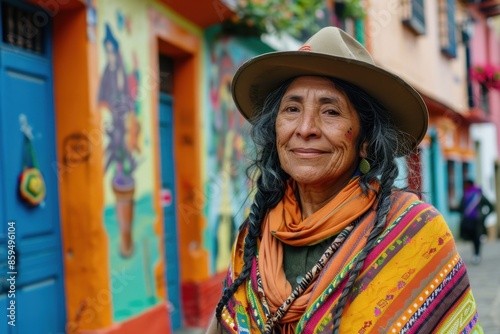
[
  {"x": 227, "y": 145},
  {"x": 127, "y": 33},
  {"x": 123, "y": 40},
  {"x": 125, "y": 84}
]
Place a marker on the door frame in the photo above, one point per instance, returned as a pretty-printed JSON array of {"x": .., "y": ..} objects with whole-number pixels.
[
  {"x": 46, "y": 58},
  {"x": 185, "y": 46}
]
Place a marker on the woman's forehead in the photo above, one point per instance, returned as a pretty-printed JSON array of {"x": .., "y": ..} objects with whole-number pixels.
[
  {"x": 314, "y": 82},
  {"x": 328, "y": 91}
]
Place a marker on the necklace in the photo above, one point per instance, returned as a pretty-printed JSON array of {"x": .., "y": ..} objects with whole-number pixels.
[{"x": 308, "y": 278}]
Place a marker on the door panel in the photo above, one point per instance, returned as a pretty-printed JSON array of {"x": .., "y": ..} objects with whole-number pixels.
[
  {"x": 26, "y": 91},
  {"x": 42, "y": 291},
  {"x": 169, "y": 215},
  {"x": 4, "y": 302}
]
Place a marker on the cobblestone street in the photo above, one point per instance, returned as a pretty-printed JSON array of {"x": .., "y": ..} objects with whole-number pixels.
[{"x": 485, "y": 282}]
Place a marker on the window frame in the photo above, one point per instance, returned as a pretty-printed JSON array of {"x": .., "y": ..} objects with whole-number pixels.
[
  {"x": 447, "y": 28},
  {"x": 414, "y": 16}
]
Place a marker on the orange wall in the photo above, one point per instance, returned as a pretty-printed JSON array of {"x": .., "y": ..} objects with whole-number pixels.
[
  {"x": 171, "y": 39},
  {"x": 88, "y": 295}
]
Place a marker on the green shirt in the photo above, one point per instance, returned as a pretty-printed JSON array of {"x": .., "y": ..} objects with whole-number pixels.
[{"x": 298, "y": 260}]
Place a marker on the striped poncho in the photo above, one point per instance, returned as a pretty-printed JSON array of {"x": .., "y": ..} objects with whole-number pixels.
[{"x": 413, "y": 281}]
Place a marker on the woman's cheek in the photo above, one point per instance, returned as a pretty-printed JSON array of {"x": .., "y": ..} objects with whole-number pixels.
[{"x": 348, "y": 135}]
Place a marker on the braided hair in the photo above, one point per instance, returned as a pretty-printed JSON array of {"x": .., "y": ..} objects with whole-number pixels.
[
  {"x": 270, "y": 184},
  {"x": 383, "y": 147}
]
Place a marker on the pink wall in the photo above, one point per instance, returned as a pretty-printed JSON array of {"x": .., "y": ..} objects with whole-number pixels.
[
  {"x": 494, "y": 55},
  {"x": 485, "y": 48}
]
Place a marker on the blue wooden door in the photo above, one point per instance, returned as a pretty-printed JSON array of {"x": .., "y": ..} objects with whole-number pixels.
[
  {"x": 26, "y": 98},
  {"x": 169, "y": 216}
]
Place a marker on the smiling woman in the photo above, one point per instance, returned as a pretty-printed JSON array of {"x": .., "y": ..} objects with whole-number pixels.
[
  {"x": 330, "y": 245},
  {"x": 316, "y": 130}
]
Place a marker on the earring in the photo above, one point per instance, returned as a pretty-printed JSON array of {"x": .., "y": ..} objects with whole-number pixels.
[{"x": 364, "y": 166}]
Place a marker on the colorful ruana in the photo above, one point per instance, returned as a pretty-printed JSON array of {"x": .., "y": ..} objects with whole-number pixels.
[{"x": 413, "y": 281}]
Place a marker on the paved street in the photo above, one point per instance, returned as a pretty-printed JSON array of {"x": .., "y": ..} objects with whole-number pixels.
[{"x": 485, "y": 282}]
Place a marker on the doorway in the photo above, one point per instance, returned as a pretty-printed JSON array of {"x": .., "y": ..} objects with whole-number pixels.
[
  {"x": 168, "y": 191},
  {"x": 27, "y": 139}
]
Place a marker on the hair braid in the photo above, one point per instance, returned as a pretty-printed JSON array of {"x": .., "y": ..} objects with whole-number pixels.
[
  {"x": 257, "y": 212},
  {"x": 378, "y": 228},
  {"x": 270, "y": 187},
  {"x": 378, "y": 131}
]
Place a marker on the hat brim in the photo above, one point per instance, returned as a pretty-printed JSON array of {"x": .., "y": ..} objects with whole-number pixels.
[{"x": 259, "y": 76}]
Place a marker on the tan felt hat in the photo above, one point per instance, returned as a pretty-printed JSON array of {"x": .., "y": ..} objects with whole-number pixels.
[{"x": 331, "y": 52}]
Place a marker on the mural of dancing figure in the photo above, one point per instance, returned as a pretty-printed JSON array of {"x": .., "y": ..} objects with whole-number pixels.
[{"x": 117, "y": 96}]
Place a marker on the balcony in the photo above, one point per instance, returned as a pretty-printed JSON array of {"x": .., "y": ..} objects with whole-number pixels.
[{"x": 489, "y": 8}]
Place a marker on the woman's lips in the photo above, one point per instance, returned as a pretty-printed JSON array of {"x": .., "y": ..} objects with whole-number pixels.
[{"x": 307, "y": 152}]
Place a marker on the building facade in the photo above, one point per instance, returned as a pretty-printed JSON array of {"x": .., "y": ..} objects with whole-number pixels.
[
  {"x": 118, "y": 116},
  {"x": 484, "y": 50},
  {"x": 429, "y": 44}
]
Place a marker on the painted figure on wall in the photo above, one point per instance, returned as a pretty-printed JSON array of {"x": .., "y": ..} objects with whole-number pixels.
[
  {"x": 129, "y": 211},
  {"x": 117, "y": 93},
  {"x": 226, "y": 149}
]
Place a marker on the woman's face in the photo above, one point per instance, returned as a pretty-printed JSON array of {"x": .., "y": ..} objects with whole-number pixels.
[{"x": 316, "y": 133}]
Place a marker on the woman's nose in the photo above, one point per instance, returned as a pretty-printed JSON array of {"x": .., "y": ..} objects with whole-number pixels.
[{"x": 308, "y": 125}]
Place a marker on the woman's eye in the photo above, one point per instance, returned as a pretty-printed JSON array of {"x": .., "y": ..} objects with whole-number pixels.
[
  {"x": 332, "y": 112},
  {"x": 291, "y": 109}
]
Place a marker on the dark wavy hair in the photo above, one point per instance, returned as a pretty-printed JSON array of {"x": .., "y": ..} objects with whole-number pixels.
[{"x": 383, "y": 147}]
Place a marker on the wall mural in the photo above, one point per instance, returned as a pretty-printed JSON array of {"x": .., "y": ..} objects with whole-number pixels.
[
  {"x": 129, "y": 216},
  {"x": 116, "y": 92},
  {"x": 227, "y": 182}
]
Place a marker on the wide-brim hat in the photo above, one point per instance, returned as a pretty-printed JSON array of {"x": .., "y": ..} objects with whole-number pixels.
[{"x": 331, "y": 52}]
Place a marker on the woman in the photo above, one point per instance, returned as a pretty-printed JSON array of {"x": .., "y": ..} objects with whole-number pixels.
[{"x": 330, "y": 245}]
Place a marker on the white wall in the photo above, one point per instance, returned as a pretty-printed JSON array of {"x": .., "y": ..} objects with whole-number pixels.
[{"x": 486, "y": 135}]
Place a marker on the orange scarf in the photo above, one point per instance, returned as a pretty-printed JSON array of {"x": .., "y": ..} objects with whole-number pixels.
[{"x": 284, "y": 224}]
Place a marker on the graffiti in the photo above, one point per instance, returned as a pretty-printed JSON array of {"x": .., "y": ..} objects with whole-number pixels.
[{"x": 76, "y": 148}]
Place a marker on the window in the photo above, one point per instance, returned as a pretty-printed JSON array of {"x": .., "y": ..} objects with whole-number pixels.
[
  {"x": 24, "y": 29},
  {"x": 348, "y": 20},
  {"x": 452, "y": 192},
  {"x": 166, "y": 74},
  {"x": 484, "y": 99},
  {"x": 447, "y": 33},
  {"x": 414, "y": 15}
]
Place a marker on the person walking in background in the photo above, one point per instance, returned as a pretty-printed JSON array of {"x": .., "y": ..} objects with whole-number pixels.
[
  {"x": 330, "y": 244},
  {"x": 474, "y": 208}
]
